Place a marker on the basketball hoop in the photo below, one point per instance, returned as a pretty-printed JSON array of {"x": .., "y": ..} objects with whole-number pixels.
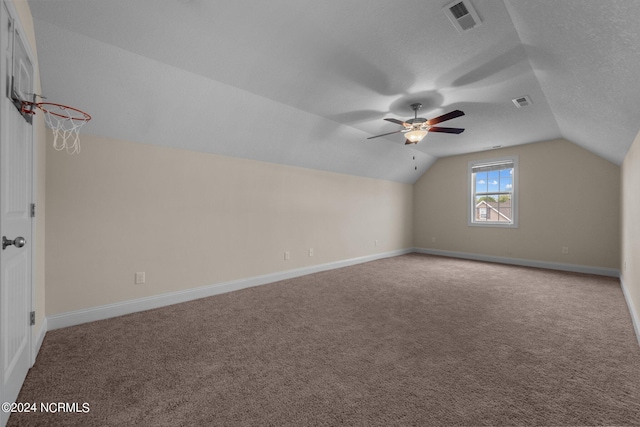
[{"x": 64, "y": 121}]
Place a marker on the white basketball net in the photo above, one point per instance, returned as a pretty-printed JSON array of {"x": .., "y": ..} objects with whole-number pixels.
[{"x": 65, "y": 124}]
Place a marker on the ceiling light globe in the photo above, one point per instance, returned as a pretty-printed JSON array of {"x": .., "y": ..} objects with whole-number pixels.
[{"x": 415, "y": 136}]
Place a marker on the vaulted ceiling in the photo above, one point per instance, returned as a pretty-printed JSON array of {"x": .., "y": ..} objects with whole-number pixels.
[{"x": 305, "y": 82}]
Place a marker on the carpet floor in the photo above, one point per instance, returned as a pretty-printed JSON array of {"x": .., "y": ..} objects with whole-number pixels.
[{"x": 414, "y": 340}]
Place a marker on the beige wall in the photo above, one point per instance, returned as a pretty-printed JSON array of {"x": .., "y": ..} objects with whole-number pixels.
[
  {"x": 567, "y": 197},
  {"x": 190, "y": 219},
  {"x": 26, "y": 19},
  {"x": 630, "y": 265}
]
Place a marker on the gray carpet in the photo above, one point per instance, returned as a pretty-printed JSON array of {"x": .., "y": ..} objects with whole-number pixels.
[{"x": 414, "y": 340}]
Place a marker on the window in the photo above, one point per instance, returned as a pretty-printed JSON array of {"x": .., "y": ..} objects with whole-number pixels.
[{"x": 492, "y": 195}]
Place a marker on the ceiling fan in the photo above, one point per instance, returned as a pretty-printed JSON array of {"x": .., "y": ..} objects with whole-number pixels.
[{"x": 417, "y": 128}]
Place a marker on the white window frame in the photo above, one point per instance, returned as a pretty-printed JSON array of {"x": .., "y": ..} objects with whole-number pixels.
[{"x": 471, "y": 195}]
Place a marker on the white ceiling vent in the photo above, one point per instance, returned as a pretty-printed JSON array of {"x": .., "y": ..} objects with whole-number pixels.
[
  {"x": 462, "y": 15},
  {"x": 522, "y": 101}
]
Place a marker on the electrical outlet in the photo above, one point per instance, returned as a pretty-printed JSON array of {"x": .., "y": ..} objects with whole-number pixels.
[
  {"x": 433, "y": 240},
  {"x": 140, "y": 278},
  {"x": 565, "y": 250},
  {"x": 310, "y": 251},
  {"x": 287, "y": 255},
  {"x": 375, "y": 243}
]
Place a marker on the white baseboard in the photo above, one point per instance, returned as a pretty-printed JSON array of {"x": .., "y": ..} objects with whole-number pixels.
[
  {"x": 39, "y": 338},
  {"x": 612, "y": 272},
  {"x": 132, "y": 306},
  {"x": 632, "y": 310},
  {"x": 78, "y": 317}
]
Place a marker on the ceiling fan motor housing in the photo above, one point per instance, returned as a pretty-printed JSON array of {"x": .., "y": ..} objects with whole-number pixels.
[{"x": 416, "y": 122}]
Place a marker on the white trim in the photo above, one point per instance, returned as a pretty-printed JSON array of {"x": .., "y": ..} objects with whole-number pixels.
[
  {"x": 514, "y": 193},
  {"x": 132, "y": 306},
  {"x": 39, "y": 339},
  {"x": 576, "y": 268},
  {"x": 635, "y": 319},
  {"x": 35, "y": 345},
  {"x": 78, "y": 317}
]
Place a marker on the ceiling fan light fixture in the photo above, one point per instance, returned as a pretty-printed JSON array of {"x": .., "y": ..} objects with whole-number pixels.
[
  {"x": 415, "y": 136},
  {"x": 417, "y": 128}
]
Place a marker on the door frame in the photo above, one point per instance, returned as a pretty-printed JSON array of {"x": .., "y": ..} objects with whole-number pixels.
[{"x": 9, "y": 7}]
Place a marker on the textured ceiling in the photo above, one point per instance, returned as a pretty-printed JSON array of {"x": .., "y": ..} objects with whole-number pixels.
[{"x": 304, "y": 83}]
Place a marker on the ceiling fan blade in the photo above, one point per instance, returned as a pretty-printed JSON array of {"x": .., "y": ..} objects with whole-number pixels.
[
  {"x": 400, "y": 122},
  {"x": 445, "y": 130},
  {"x": 385, "y": 134},
  {"x": 445, "y": 117}
]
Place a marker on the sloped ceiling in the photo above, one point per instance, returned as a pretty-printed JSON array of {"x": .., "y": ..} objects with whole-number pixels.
[{"x": 304, "y": 83}]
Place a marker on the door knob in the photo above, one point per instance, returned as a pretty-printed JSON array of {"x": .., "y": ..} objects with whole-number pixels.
[{"x": 18, "y": 242}]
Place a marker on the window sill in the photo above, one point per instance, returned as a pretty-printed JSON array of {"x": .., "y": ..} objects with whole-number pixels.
[{"x": 492, "y": 224}]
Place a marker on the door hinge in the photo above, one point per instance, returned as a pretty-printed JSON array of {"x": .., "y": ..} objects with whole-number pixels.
[
  {"x": 33, "y": 210},
  {"x": 32, "y": 318}
]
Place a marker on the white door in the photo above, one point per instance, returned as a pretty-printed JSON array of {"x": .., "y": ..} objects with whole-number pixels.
[{"x": 16, "y": 139}]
